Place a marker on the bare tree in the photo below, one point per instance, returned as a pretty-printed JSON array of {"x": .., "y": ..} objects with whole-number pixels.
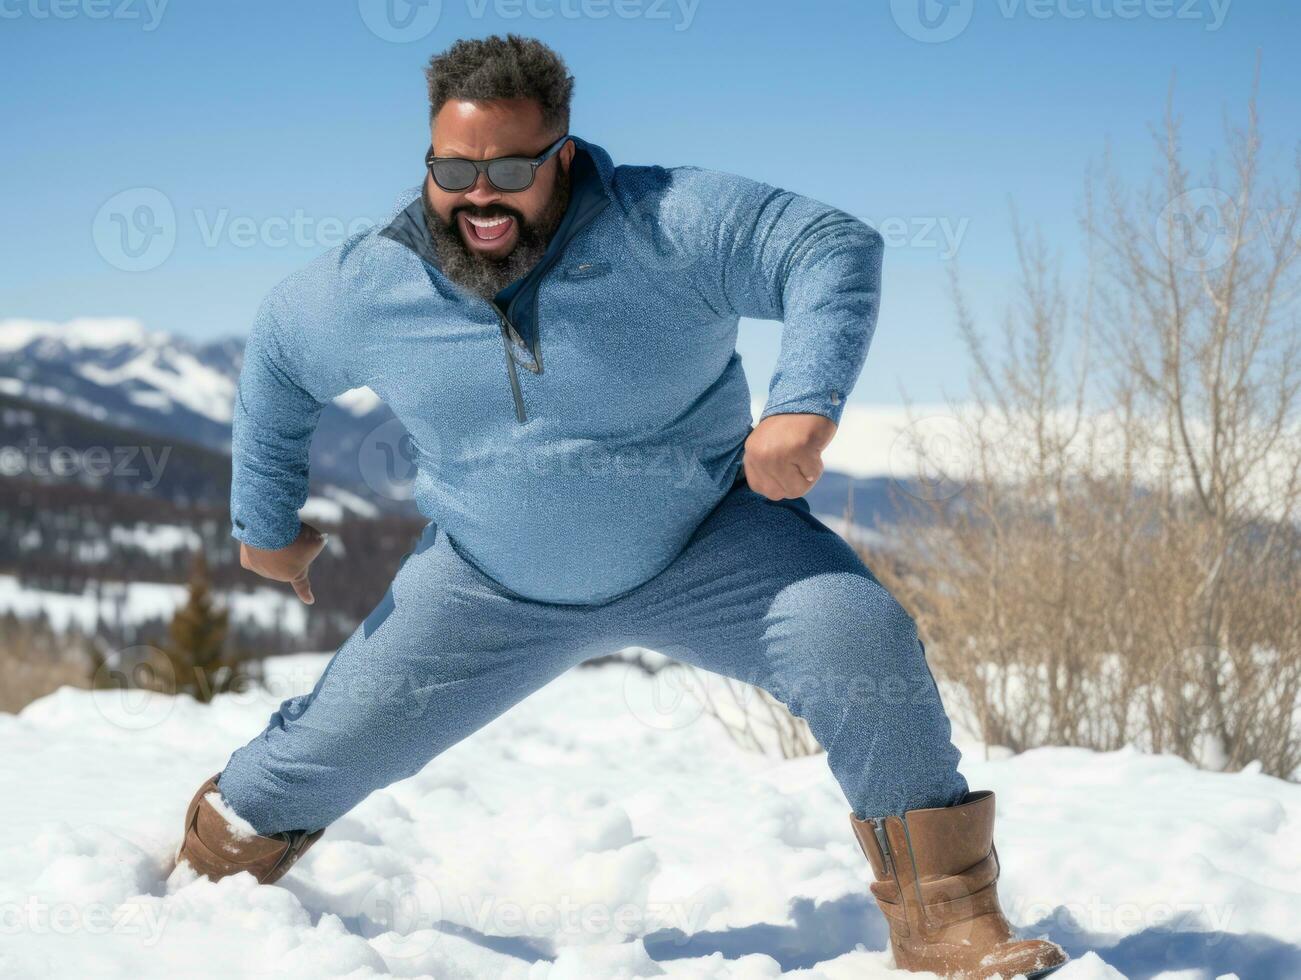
[{"x": 1122, "y": 562}]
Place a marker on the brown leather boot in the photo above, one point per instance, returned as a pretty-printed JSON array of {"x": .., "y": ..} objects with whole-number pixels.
[
  {"x": 936, "y": 873},
  {"x": 215, "y": 850}
]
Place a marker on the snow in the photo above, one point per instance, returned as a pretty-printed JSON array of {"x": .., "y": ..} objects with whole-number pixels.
[
  {"x": 321, "y": 510},
  {"x": 881, "y": 440},
  {"x": 172, "y": 377},
  {"x": 155, "y": 539},
  {"x": 334, "y": 504},
  {"x": 878, "y": 440},
  {"x": 358, "y": 401},
  {"x": 933, "y": 442},
  {"x": 583, "y": 835},
  {"x": 351, "y": 502},
  {"x": 140, "y": 602},
  {"x": 81, "y": 333},
  {"x": 238, "y": 827}
]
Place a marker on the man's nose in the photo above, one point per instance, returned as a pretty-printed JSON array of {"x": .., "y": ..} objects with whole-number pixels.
[{"x": 482, "y": 193}]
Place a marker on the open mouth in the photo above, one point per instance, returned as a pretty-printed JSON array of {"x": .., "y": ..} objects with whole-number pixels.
[{"x": 490, "y": 234}]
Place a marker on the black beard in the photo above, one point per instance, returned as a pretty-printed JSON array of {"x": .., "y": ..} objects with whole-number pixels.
[{"x": 480, "y": 274}]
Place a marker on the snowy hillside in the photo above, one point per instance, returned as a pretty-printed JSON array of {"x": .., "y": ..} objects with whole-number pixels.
[{"x": 585, "y": 835}]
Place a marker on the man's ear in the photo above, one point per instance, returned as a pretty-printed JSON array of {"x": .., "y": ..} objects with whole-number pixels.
[{"x": 566, "y": 154}]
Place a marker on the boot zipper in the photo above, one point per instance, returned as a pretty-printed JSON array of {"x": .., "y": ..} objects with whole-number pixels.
[{"x": 878, "y": 828}]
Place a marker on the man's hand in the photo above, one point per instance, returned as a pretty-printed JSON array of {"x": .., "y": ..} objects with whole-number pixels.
[
  {"x": 287, "y": 564},
  {"x": 783, "y": 455}
]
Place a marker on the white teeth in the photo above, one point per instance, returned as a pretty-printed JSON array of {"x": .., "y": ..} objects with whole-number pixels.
[{"x": 486, "y": 222}]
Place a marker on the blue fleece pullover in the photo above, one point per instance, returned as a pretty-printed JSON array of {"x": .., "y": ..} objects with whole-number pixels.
[{"x": 572, "y": 435}]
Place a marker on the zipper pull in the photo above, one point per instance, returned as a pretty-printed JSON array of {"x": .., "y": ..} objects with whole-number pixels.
[
  {"x": 883, "y": 842},
  {"x": 516, "y": 394}
]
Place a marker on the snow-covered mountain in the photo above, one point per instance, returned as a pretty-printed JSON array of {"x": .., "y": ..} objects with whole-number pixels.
[{"x": 114, "y": 371}]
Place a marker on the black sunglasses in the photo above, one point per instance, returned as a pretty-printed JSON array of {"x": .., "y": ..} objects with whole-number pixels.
[{"x": 508, "y": 174}]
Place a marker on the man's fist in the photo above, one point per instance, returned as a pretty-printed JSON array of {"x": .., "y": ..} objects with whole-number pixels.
[
  {"x": 783, "y": 455},
  {"x": 287, "y": 564}
]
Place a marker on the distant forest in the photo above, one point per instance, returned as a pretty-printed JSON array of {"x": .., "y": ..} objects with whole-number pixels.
[{"x": 83, "y": 533}]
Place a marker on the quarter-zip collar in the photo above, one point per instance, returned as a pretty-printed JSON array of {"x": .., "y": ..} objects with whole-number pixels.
[
  {"x": 518, "y": 301},
  {"x": 516, "y": 306},
  {"x": 591, "y": 170}
]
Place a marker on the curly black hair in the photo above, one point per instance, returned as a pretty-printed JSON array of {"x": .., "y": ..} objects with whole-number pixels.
[{"x": 510, "y": 67}]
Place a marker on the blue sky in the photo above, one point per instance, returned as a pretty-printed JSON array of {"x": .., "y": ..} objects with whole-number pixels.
[{"x": 268, "y": 128}]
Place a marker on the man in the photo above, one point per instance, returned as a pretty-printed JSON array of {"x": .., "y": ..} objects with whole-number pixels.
[{"x": 557, "y": 334}]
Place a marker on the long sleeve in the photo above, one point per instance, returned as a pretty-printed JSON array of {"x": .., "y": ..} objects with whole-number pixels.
[
  {"x": 278, "y": 401},
  {"x": 816, "y": 269}
]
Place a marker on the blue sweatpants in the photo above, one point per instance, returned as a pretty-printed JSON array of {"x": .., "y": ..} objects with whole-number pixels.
[{"x": 763, "y": 593}]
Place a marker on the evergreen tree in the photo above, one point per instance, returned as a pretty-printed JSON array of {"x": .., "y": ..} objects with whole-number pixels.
[{"x": 196, "y": 643}]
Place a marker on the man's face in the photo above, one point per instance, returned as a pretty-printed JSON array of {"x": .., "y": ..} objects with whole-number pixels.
[{"x": 488, "y": 238}]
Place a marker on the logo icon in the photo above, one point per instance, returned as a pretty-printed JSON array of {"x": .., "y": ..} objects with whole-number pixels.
[
  {"x": 670, "y": 698},
  {"x": 400, "y": 21},
  {"x": 929, "y": 459},
  {"x": 389, "y": 460},
  {"x": 932, "y": 21},
  {"x": 135, "y": 230},
  {"x": 135, "y": 688},
  {"x": 404, "y": 910},
  {"x": 1195, "y": 230}
]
